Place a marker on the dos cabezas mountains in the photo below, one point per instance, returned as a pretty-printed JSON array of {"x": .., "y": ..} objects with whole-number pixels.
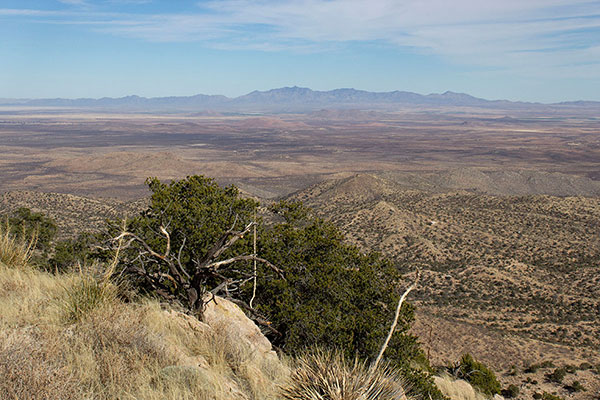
[{"x": 292, "y": 99}]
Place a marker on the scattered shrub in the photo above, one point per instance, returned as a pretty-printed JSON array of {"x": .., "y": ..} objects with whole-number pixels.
[
  {"x": 547, "y": 364},
  {"x": 537, "y": 396},
  {"x": 478, "y": 375},
  {"x": 549, "y": 396},
  {"x": 70, "y": 252},
  {"x": 571, "y": 369},
  {"x": 585, "y": 366},
  {"x": 557, "y": 375},
  {"x": 511, "y": 392},
  {"x": 25, "y": 224},
  {"x": 531, "y": 368},
  {"x": 576, "y": 386}
]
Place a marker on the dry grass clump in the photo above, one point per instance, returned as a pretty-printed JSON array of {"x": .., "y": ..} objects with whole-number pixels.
[
  {"x": 15, "y": 251},
  {"x": 86, "y": 293},
  {"x": 457, "y": 389},
  {"x": 322, "y": 375}
]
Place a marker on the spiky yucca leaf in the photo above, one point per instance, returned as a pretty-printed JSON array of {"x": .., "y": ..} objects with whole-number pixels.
[{"x": 323, "y": 375}]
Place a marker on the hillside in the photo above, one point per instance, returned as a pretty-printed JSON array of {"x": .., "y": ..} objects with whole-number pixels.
[
  {"x": 73, "y": 214},
  {"x": 493, "y": 267},
  {"x": 66, "y": 337},
  {"x": 489, "y": 263}
]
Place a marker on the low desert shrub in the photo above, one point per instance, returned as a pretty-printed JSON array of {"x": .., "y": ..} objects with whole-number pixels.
[
  {"x": 576, "y": 386},
  {"x": 571, "y": 369},
  {"x": 478, "y": 375},
  {"x": 531, "y": 368},
  {"x": 557, "y": 375},
  {"x": 329, "y": 375},
  {"x": 511, "y": 391},
  {"x": 550, "y": 396},
  {"x": 585, "y": 366}
]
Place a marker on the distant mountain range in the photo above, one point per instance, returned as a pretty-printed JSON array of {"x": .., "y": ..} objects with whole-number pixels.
[{"x": 290, "y": 99}]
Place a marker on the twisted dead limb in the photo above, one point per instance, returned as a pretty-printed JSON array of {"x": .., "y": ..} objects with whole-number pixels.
[
  {"x": 395, "y": 322},
  {"x": 189, "y": 281}
]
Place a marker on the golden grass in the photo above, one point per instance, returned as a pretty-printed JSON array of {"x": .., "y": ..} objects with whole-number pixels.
[
  {"x": 14, "y": 251},
  {"x": 70, "y": 337},
  {"x": 457, "y": 389}
]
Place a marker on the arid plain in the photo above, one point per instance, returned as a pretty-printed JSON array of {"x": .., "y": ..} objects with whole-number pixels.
[{"x": 499, "y": 208}]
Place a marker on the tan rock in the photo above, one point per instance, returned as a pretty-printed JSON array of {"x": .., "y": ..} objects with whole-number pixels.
[{"x": 223, "y": 315}]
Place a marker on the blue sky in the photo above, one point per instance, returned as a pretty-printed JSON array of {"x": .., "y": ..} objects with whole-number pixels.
[{"x": 533, "y": 50}]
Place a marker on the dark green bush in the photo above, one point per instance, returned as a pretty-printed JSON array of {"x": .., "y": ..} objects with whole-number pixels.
[
  {"x": 478, "y": 375},
  {"x": 531, "y": 368},
  {"x": 571, "y": 369},
  {"x": 576, "y": 386},
  {"x": 537, "y": 396},
  {"x": 547, "y": 364},
  {"x": 511, "y": 392},
  {"x": 585, "y": 366},
  {"x": 549, "y": 396},
  {"x": 557, "y": 375},
  {"x": 25, "y": 224},
  {"x": 69, "y": 252}
]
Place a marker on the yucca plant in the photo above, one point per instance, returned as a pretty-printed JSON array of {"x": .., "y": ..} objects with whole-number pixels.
[{"x": 328, "y": 375}]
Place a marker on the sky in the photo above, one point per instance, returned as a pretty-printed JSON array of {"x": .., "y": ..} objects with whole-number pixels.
[{"x": 529, "y": 50}]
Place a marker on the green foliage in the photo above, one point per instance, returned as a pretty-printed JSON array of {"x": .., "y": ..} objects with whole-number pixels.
[
  {"x": 196, "y": 209},
  {"x": 26, "y": 224},
  {"x": 478, "y": 375},
  {"x": 334, "y": 295},
  {"x": 68, "y": 253},
  {"x": 511, "y": 392},
  {"x": 576, "y": 386},
  {"x": 571, "y": 369},
  {"x": 557, "y": 375},
  {"x": 197, "y": 213},
  {"x": 531, "y": 368},
  {"x": 585, "y": 366},
  {"x": 549, "y": 396},
  {"x": 547, "y": 364},
  {"x": 537, "y": 396}
]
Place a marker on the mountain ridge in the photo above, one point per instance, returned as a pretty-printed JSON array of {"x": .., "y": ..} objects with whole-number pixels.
[{"x": 293, "y": 99}]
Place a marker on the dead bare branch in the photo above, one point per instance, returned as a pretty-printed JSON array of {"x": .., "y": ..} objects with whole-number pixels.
[{"x": 395, "y": 322}]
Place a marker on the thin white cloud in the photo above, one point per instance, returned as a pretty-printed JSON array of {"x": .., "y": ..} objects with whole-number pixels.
[
  {"x": 508, "y": 34},
  {"x": 74, "y": 2}
]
